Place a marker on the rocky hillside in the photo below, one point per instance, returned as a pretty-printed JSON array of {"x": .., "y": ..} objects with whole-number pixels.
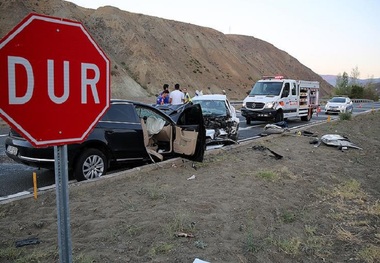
[{"x": 148, "y": 51}]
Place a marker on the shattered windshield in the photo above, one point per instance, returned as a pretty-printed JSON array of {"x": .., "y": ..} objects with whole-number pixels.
[
  {"x": 212, "y": 107},
  {"x": 266, "y": 88}
]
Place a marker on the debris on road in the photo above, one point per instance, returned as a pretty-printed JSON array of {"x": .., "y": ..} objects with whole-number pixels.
[
  {"x": 263, "y": 148},
  {"x": 182, "y": 234},
  {"x": 191, "y": 177},
  {"x": 28, "y": 241},
  {"x": 197, "y": 260},
  {"x": 338, "y": 141},
  {"x": 273, "y": 129}
]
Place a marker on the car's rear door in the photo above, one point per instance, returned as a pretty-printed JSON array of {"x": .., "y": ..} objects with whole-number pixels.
[
  {"x": 190, "y": 134},
  {"x": 123, "y": 133}
]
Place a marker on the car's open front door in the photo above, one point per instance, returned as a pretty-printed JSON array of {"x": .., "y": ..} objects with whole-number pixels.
[{"x": 190, "y": 134}]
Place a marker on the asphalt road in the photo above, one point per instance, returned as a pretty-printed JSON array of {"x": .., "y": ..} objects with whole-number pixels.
[{"x": 16, "y": 178}]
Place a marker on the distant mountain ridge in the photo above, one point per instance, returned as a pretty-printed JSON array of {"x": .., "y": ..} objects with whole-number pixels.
[
  {"x": 147, "y": 51},
  {"x": 331, "y": 79}
]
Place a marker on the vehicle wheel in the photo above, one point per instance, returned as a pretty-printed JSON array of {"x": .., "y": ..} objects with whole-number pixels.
[
  {"x": 235, "y": 136},
  {"x": 248, "y": 121},
  {"x": 91, "y": 164},
  {"x": 279, "y": 116}
]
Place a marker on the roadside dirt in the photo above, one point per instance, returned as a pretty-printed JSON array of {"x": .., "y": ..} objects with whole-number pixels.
[{"x": 316, "y": 204}]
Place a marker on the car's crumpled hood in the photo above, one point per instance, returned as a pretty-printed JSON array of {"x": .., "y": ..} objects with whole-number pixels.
[{"x": 218, "y": 129}]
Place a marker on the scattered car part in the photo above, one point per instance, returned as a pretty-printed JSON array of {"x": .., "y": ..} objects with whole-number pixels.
[
  {"x": 263, "y": 148},
  {"x": 27, "y": 242},
  {"x": 338, "y": 141}
]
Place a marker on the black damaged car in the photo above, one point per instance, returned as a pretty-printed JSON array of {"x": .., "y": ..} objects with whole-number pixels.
[{"x": 129, "y": 132}]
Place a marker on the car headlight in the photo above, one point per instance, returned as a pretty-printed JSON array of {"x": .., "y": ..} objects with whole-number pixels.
[{"x": 269, "y": 105}]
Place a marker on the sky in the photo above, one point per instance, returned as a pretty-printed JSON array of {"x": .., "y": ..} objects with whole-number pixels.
[{"x": 328, "y": 36}]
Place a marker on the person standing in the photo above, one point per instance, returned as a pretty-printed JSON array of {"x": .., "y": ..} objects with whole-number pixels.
[
  {"x": 165, "y": 88},
  {"x": 186, "y": 95},
  {"x": 163, "y": 98},
  {"x": 176, "y": 96}
]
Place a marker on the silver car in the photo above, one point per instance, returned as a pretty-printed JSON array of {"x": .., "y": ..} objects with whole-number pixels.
[{"x": 339, "y": 105}]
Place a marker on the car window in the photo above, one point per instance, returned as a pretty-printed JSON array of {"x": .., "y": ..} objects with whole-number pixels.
[
  {"x": 144, "y": 113},
  {"x": 339, "y": 100},
  {"x": 266, "y": 88},
  {"x": 212, "y": 107},
  {"x": 294, "y": 89},
  {"x": 120, "y": 113}
]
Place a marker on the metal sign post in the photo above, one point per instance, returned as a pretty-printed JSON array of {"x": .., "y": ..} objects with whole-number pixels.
[{"x": 63, "y": 212}]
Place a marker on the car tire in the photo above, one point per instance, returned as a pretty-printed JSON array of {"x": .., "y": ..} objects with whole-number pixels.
[
  {"x": 235, "y": 136},
  {"x": 91, "y": 164},
  {"x": 248, "y": 120}
]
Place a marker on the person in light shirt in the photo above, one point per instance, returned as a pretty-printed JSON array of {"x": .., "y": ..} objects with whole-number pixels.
[{"x": 176, "y": 96}]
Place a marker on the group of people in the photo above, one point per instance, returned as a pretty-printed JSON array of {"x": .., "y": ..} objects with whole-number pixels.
[{"x": 176, "y": 97}]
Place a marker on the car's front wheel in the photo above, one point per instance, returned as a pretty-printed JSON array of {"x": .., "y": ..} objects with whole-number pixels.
[
  {"x": 91, "y": 164},
  {"x": 235, "y": 136}
]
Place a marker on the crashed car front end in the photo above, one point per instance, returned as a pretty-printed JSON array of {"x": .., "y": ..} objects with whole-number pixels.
[{"x": 220, "y": 129}]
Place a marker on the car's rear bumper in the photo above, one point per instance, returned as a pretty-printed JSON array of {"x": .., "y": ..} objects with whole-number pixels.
[{"x": 21, "y": 151}]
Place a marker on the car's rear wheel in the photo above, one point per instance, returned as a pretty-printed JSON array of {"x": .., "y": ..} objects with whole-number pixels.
[{"x": 91, "y": 164}]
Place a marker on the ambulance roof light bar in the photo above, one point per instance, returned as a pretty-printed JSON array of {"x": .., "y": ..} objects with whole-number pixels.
[{"x": 273, "y": 77}]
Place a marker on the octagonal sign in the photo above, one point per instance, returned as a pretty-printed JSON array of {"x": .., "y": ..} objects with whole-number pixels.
[{"x": 54, "y": 80}]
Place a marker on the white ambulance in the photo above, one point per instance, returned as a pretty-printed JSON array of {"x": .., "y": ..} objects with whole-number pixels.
[{"x": 276, "y": 98}]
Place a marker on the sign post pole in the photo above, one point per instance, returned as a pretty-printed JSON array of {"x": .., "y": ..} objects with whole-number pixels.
[{"x": 63, "y": 211}]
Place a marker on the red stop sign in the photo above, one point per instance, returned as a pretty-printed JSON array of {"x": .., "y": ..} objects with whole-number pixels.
[{"x": 54, "y": 80}]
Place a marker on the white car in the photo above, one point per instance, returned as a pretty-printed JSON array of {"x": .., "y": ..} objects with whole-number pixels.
[
  {"x": 221, "y": 122},
  {"x": 339, "y": 105}
]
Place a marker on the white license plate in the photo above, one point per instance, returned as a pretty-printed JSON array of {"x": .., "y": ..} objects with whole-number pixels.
[{"x": 12, "y": 150}]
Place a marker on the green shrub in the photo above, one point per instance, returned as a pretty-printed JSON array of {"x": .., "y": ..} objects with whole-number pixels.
[{"x": 345, "y": 116}]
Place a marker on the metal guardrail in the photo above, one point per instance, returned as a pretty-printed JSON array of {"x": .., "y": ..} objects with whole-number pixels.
[
  {"x": 361, "y": 101},
  {"x": 322, "y": 101}
]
